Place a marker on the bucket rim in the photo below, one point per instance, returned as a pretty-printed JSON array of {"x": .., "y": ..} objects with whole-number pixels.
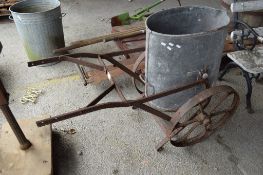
[
  {"x": 20, "y": 2},
  {"x": 190, "y": 34}
]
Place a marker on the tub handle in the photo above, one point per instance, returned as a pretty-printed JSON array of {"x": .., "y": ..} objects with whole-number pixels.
[
  {"x": 11, "y": 17},
  {"x": 63, "y": 15}
]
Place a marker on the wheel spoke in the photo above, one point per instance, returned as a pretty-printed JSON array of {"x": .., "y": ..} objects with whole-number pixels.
[
  {"x": 212, "y": 114},
  {"x": 221, "y": 100},
  {"x": 202, "y": 109},
  {"x": 193, "y": 117},
  {"x": 221, "y": 120},
  {"x": 186, "y": 135},
  {"x": 187, "y": 122},
  {"x": 176, "y": 131},
  {"x": 199, "y": 136}
]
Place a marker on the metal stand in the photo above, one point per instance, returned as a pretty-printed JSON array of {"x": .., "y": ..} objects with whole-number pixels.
[
  {"x": 249, "y": 92},
  {"x": 23, "y": 141},
  {"x": 248, "y": 77},
  {"x": 82, "y": 74}
]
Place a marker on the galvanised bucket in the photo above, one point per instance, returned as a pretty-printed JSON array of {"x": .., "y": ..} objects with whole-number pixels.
[
  {"x": 180, "y": 42},
  {"x": 39, "y": 24}
]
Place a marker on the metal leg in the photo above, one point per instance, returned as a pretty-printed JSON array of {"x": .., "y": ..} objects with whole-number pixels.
[
  {"x": 248, "y": 81},
  {"x": 224, "y": 71},
  {"x": 160, "y": 145},
  {"x": 82, "y": 74},
  {"x": 24, "y": 143},
  {"x": 259, "y": 78},
  {"x": 249, "y": 92}
]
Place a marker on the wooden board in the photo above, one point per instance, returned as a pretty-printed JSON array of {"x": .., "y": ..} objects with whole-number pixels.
[
  {"x": 37, "y": 160},
  {"x": 96, "y": 77}
]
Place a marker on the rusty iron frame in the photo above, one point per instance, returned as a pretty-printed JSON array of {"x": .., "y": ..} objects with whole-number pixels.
[
  {"x": 138, "y": 103},
  {"x": 93, "y": 106},
  {"x": 168, "y": 123}
]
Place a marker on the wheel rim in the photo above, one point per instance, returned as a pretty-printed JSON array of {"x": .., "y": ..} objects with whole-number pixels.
[
  {"x": 136, "y": 69},
  {"x": 195, "y": 122}
]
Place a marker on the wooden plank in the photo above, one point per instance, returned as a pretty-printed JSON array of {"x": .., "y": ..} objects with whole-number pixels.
[
  {"x": 36, "y": 160},
  {"x": 96, "y": 77}
]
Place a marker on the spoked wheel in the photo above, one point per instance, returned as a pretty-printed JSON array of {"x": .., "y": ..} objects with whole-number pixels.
[
  {"x": 195, "y": 121},
  {"x": 138, "y": 70}
]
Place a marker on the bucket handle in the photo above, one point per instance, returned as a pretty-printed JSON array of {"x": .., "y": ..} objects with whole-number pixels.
[
  {"x": 11, "y": 17},
  {"x": 63, "y": 15}
]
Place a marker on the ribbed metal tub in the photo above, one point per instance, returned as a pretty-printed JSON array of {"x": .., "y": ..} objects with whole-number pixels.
[
  {"x": 179, "y": 43},
  {"x": 39, "y": 24}
]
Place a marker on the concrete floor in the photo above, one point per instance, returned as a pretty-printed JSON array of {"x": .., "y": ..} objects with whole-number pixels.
[{"x": 122, "y": 141}]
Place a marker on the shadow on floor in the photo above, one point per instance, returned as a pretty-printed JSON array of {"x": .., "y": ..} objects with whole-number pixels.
[{"x": 63, "y": 155}]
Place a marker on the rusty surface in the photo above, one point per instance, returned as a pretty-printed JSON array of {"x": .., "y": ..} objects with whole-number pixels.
[
  {"x": 129, "y": 32},
  {"x": 171, "y": 125},
  {"x": 131, "y": 42},
  {"x": 206, "y": 119},
  {"x": 74, "y": 57},
  {"x": 24, "y": 143},
  {"x": 96, "y": 76},
  {"x": 137, "y": 68},
  {"x": 127, "y": 103}
]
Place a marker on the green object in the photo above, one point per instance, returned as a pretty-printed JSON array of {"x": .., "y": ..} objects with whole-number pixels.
[
  {"x": 140, "y": 14},
  {"x": 125, "y": 18}
]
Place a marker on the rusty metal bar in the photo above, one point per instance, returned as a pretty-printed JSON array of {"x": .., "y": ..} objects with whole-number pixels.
[
  {"x": 81, "y": 111},
  {"x": 122, "y": 67},
  {"x": 127, "y": 103},
  {"x": 89, "y": 55},
  {"x": 169, "y": 92},
  {"x": 100, "y": 97},
  {"x": 105, "y": 38},
  {"x": 4, "y": 97},
  {"x": 82, "y": 62},
  {"x": 24, "y": 143},
  {"x": 66, "y": 58},
  {"x": 82, "y": 74},
  {"x": 122, "y": 97},
  {"x": 123, "y": 52},
  {"x": 153, "y": 111},
  {"x": 70, "y": 57},
  {"x": 111, "y": 79}
]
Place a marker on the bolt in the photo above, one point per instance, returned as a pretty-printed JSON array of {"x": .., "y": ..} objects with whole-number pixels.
[
  {"x": 205, "y": 76},
  {"x": 80, "y": 153},
  {"x": 206, "y": 121},
  {"x": 115, "y": 171}
]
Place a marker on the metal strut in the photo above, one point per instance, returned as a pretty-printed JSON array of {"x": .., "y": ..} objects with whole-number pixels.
[{"x": 137, "y": 103}]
